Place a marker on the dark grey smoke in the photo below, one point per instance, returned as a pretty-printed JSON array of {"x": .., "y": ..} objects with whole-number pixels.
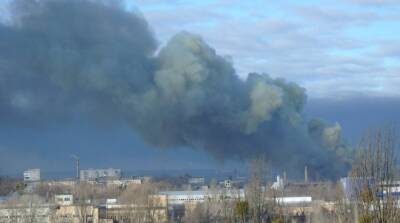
[{"x": 61, "y": 58}]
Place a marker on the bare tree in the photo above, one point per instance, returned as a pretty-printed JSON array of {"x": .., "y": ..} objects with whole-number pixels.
[
  {"x": 143, "y": 203},
  {"x": 242, "y": 210},
  {"x": 211, "y": 209},
  {"x": 257, "y": 190},
  {"x": 83, "y": 202},
  {"x": 373, "y": 175},
  {"x": 9, "y": 185},
  {"x": 25, "y": 209},
  {"x": 218, "y": 206},
  {"x": 198, "y": 214},
  {"x": 48, "y": 191},
  {"x": 343, "y": 210}
]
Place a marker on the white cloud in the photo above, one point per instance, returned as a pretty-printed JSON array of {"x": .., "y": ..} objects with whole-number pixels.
[
  {"x": 374, "y": 2},
  {"x": 309, "y": 45},
  {"x": 388, "y": 49}
]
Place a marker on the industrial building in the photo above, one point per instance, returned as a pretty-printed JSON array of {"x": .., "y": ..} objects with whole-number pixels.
[
  {"x": 96, "y": 174},
  {"x": 193, "y": 197},
  {"x": 65, "y": 210},
  {"x": 196, "y": 180},
  {"x": 32, "y": 175},
  {"x": 25, "y": 213},
  {"x": 156, "y": 211},
  {"x": 123, "y": 183}
]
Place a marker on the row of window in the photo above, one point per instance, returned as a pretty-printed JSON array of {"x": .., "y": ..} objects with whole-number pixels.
[
  {"x": 65, "y": 199},
  {"x": 190, "y": 199}
]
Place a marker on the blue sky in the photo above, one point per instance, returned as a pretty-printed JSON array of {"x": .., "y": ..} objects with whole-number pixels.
[{"x": 335, "y": 48}]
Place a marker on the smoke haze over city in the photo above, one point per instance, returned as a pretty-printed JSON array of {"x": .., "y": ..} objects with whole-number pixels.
[{"x": 99, "y": 77}]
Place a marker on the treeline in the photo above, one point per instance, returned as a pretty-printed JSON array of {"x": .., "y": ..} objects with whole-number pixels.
[{"x": 10, "y": 185}]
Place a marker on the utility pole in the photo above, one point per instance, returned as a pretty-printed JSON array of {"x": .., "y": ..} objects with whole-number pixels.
[{"x": 76, "y": 166}]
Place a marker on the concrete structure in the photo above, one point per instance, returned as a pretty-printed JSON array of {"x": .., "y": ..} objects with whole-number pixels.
[
  {"x": 352, "y": 187},
  {"x": 179, "y": 202},
  {"x": 155, "y": 211},
  {"x": 32, "y": 175},
  {"x": 123, "y": 182},
  {"x": 184, "y": 197},
  {"x": 95, "y": 174},
  {"x": 77, "y": 214},
  {"x": 278, "y": 184},
  {"x": 133, "y": 213},
  {"x": 65, "y": 211},
  {"x": 19, "y": 213},
  {"x": 392, "y": 188},
  {"x": 77, "y": 166},
  {"x": 228, "y": 183},
  {"x": 64, "y": 199},
  {"x": 293, "y": 200},
  {"x": 46, "y": 213},
  {"x": 61, "y": 183},
  {"x": 111, "y": 201},
  {"x": 199, "y": 196},
  {"x": 196, "y": 180}
]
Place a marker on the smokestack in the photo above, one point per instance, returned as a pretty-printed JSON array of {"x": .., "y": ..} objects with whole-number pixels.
[
  {"x": 284, "y": 177},
  {"x": 305, "y": 174},
  {"x": 76, "y": 158},
  {"x": 77, "y": 169}
]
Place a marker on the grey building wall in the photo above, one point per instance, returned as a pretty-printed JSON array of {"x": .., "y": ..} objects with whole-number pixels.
[
  {"x": 93, "y": 174},
  {"x": 32, "y": 175}
]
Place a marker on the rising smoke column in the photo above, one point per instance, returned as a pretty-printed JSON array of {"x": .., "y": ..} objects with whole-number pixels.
[{"x": 92, "y": 58}]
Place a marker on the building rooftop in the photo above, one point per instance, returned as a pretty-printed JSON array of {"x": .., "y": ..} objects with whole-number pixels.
[{"x": 192, "y": 193}]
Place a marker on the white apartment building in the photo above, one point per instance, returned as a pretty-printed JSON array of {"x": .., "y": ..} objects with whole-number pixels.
[
  {"x": 32, "y": 175},
  {"x": 94, "y": 174}
]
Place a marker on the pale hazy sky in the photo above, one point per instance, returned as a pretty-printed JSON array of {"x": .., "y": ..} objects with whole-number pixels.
[{"x": 333, "y": 48}]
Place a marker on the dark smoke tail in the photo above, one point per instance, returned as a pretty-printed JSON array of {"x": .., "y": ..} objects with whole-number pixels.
[{"x": 93, "y": 58}]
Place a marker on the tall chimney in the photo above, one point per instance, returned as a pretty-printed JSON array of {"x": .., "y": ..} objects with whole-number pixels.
[
  {"x": 284, "y": 177},
  {"x": 305, "y": 174},
  {"x": 76, "y": 158},
  {"x": 77, "y": 169}
]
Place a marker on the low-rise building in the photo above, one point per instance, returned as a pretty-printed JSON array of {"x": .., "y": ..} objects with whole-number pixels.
[
  {"x": 154, "y": 211},
  {"x": 25, "y": 213},
  {"x": 95, "y": 174},
  {"x": 61, "y": 183},
  {"x": 196, "y": 180},
  {"x": 199, "y": 196},
  {"x": 293, "y": 200},
  {"x": 278, "y": 184},
  {"x": 124, "y": 182},
  {"x": 64, "y": 199},
  {"x": 48, "y": 213},
  {"x": 32, "y": 175},
  {"x": 76, "y": 214},
  {"x": 228, "y": 183}
]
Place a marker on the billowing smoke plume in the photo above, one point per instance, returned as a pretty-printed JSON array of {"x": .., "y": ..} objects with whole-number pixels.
[{"x": 86, "y": 57}]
